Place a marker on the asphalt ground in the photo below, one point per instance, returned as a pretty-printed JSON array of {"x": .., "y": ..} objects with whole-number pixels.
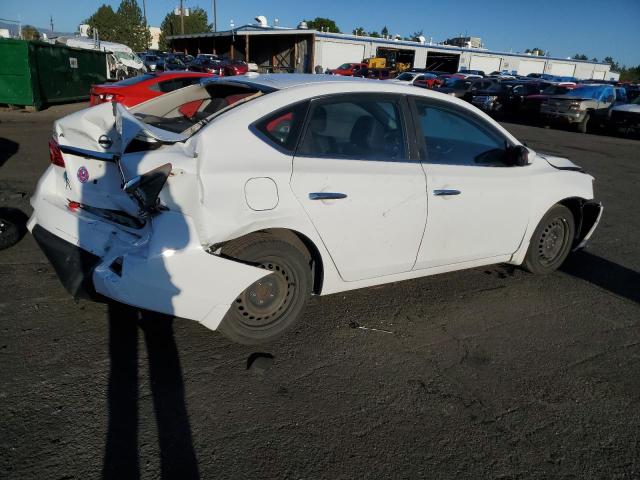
[{"x": 485, "y": 373}]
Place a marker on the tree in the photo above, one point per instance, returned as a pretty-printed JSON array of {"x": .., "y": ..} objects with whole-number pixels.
[
  {"x": 105, "y": 21},
  {"x": 131, "y": 29},
  {"x": 631, "y": 74},
  {"x": 615, "y": 66},
  {"x": 580, "y": 56},
  {"x": 29, "y": 32},
  {"x": 323, "y": 24},
  {"x": 384, "y": 32},
  {"x": 359, "y": 31},
  {"x": 416, "y": 35},
  {"x": 374, "y": 34},
  {"x": 594, "y": 59},
  {"x": 196, "y": 22}
]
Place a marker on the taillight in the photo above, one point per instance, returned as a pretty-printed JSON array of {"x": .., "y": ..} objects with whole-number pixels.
[{"x": 55, "y": 155}]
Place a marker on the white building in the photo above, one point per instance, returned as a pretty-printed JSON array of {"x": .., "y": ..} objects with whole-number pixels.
[{"x": 304, "y": 50}]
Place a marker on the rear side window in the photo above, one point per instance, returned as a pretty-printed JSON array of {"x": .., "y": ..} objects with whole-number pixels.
[
  {"x": 364, "y": 129},
  {"x": 283, "y": 127}
]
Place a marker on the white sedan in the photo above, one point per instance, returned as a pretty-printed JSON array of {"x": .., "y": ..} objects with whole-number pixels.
[{"x": 231, "y": 202}]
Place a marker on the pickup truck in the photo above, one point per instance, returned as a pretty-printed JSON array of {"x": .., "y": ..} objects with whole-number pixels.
[
  {"x": 584, "y": 106},
  {"x": 626, "y": 118}
]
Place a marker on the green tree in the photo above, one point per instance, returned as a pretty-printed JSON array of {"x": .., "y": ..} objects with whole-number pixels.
[
  {"x": 196, "y": 22},
  {"x": 580, "y": 56},
  {"x": 415, "y": 35},
  {"x": 359, "y": 31},
  {"x": 615, "y": 66},
  {"x": 384, "y": 32},
  {"x": 594, "y": 59},
  {"x": 374, "y": 34},
  {"x": 29, "y": 32},
  {"x": 631, "y": 74},
  {"x": 131, "y": 29},
  {"x": 324, "y": 24},
  {"x": 105, "y": 21}
]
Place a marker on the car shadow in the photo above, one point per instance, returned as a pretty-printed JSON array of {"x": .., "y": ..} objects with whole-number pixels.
[
  {"x": 177, "y": 454},
  {"x": 605, "y": 274},
  {"x": 8, "y": 148}
]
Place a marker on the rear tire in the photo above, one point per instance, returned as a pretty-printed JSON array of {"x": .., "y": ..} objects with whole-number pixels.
[
  {"x": 551, "y": 242},
  {"x": 268, "y": 308}
]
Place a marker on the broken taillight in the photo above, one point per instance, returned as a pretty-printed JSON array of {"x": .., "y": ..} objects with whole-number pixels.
[{"x": 55, "y": 155}]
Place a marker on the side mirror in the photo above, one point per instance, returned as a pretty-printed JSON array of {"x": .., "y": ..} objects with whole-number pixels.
[{"x": 517, "y": 155}]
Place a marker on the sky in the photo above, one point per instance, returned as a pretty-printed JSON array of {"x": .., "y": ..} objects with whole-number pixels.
[{"x": 597, "y": 28}]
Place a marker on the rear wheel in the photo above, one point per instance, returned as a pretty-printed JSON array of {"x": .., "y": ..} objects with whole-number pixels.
[
  {"x": 272, "y": 305},
  {"x": 9, "y": 233},
  {"x": 551, "y": 242}
]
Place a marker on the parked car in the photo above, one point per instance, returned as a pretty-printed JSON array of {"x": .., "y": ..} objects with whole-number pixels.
[
  {"x": 328, "y": 193},
  {"x": 532, "y": 103},
  {"x": 407, "y": 78},
  {"x": 347, "y": 69},
  {"x": 233, "y": 67},
  {"x": 139, "y": 89},
  {"x": 206, "y": 64},
  {"x": 583, "y": 106},
  {"x": 170, "y": 62},
  {"x": 625, "y": 118},
  {"x": 465, "y": 88},
  {"x": 374, "y": 73},
  {"x": 150, "y": 62},
  {"x": 424, "y": 80},
  {"x": 478, "y": 73}
]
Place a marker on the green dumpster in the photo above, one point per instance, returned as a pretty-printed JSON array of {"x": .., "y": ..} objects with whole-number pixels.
[{"x": 38, "y": 73}]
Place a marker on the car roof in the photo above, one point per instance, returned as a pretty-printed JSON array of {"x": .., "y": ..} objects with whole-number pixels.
[{"x": 282, "y": 81}]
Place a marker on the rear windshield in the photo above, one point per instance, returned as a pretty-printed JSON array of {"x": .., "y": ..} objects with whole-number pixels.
[
  {"x": 134, "y": 80},
  {"x": 186, "y": 110},
  {"x": 586, "y": 92}
]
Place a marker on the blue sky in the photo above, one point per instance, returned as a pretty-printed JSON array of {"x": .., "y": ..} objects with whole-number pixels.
[{"x": 563, "y": 27}]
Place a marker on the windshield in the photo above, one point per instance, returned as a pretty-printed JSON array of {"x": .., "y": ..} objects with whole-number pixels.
[
  {"x": 586, "y": 92},
  {"x": 406, "y": 76},
  {"x": 555, "y": 90},
  {"x": 125, "y": 56},
  {"x": 344, "y": 66}
]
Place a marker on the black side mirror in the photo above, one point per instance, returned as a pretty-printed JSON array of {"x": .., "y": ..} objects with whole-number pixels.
[{"x": 517, "y": 155}]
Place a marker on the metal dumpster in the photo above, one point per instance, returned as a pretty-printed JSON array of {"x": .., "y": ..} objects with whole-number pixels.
[{"x": 38, "y": 73}]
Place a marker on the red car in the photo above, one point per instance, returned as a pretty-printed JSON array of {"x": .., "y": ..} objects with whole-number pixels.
[
  {"x": 135, "y": 90},
  {"x": 428, "y": 80},
  {"x": 347, "y": 69}
]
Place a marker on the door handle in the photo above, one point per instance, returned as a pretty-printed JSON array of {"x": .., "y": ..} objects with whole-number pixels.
[
  {"x": 326, "y": 196},
  {"x": 441, "y": 193}
]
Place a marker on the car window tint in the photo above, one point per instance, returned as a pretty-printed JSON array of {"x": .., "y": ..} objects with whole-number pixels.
[
  {"x": 283, "y": 127},
  {"x": 366, "y": 129},
  {"x": 453, "y": 138}
]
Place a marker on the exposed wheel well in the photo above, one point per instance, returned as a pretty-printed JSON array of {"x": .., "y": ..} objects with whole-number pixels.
[
  {"x": 300, "y": 241},
  {"x": 584, "y": 214}
]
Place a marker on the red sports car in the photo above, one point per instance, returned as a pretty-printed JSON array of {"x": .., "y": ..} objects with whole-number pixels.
[{"x": 134, "y": 90}]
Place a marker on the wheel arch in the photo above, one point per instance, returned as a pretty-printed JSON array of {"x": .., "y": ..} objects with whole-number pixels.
[{"x": 299, "y": 240}]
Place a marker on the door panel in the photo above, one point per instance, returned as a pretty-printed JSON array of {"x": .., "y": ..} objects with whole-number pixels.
[{"x": 353, "y": 176}]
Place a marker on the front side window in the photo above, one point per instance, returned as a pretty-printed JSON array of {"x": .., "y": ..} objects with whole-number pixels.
[
  {"x": 455, "y": 138},
  {"x": 365, "y": 129}
]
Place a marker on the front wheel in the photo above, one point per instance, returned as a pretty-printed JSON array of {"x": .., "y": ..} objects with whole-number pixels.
[
  {"x": 9, "y": 233},
  {"x": 551, "y": 242},
  {"x": 584, "y": 124},
  {"x": 273, "y": 304}
]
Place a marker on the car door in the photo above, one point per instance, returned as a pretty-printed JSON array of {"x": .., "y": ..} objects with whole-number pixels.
[
  {"x": 361, "y": 184},
  {"x": 478, "y": 204}
]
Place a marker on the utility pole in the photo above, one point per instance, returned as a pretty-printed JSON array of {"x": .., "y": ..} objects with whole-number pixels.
[
  {"x": 215, "y": 16},
  {"x": 181, "y": 18},
  {"x": 144, "y": 11},
  {"x": 51, "y": 22}
]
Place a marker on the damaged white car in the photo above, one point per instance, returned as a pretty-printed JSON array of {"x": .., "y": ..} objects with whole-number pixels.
[{"x": 231, "y": 202}]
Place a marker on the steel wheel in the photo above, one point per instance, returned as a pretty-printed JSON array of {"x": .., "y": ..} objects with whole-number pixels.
[
  {"x": 264, "y": 301},
  {"x": 551, "y": 241}
]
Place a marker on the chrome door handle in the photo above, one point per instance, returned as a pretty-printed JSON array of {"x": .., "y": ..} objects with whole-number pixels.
[
  {"x": 326, "y": 196},
  {"x": 440, "y": 193}
]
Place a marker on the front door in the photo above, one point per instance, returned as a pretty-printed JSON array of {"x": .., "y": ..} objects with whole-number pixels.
[
  {"x": 354, "y": 176},
  {"x": 478, "y": 204}
]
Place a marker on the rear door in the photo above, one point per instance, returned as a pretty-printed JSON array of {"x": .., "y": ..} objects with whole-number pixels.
[{"x": 359, "y": 181}]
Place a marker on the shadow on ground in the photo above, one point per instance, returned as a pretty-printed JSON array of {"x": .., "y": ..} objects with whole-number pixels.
[
  {"x": 177, "y": 455},
  {"x": 8, "y": 148},
  {"x": 605, "y": 274}
]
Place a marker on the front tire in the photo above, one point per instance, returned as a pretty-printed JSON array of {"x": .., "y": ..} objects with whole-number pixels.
[
  {"x": 268, "y": 308},
  {"x": 551, "y": 242},
  {"x": 584, "y": 124}
]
